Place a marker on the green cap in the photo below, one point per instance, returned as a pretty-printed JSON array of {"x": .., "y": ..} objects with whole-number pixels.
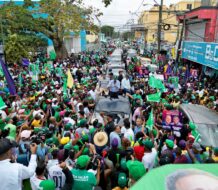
[
  {"x": 212, "y": 98},
  {"x": 123, "y": 164},
  {"x": 192, "y": 126},
  {"x": 136, "y": 169},
  {"x": 68, "y": 126},
  {"x": 85, "y": 138},
  {"x": 122, "y": 181},
  {"x": 36, "y": 106},
  {"x": 47, "y": 185},
  {"x": 148, "y": 144},
  {"x": 82, "y": 122},
  {"x": 68, "y": 146},
  {"x": 85, "y": 151},
  {"x": 76, "y": 148},
  {"x": 82, "y": 161},
  {"x": 169, "y": 143}
]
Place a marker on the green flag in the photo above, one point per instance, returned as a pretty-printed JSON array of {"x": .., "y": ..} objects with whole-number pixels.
[
  {"x": 174, "y": 80},
  {"x": 150, "y": 121},
  {"x": 156, "y": 83},
  {"x": 2, "y": 104},
  {"x": 154, "y": 97}
]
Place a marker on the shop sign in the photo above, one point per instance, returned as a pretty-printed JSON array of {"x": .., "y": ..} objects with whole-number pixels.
[{"x": 201, "y": 52}]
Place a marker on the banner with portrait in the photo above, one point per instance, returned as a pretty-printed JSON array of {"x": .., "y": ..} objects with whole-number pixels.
[{"x": 172, "y": 120}]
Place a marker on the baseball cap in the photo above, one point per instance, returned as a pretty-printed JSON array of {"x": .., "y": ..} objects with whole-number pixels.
[
  {"x": 169, "y": 143},
  {"x": 136, "y": 169},
  {"x": 122, "y": 180},
  {"x": 82, "y": 161},
  {"x": 47, "y": 185},
  {"x": 182, "y": 144},
  {"x": 6, "y": 144},
  {"x": 196, "y": 146},
  {"x": 114, "y": 143},
  {"x": 25, "y": 134},
  {"x": 148, "y": 144}
]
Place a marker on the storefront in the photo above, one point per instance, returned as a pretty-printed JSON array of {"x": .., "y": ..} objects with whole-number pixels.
[{"x": 203, "y": 53}]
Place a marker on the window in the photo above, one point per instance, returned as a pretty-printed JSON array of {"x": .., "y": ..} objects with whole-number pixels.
[
  {"x": 189, "y": 6},
  {"x": 88, "y": 32}
]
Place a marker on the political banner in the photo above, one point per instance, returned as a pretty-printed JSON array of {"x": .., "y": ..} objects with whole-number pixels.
[{"x": 172, "y": 120}]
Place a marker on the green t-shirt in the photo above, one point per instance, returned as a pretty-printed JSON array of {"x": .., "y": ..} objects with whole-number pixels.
[
  {"x": 12, "y": 133},
  {"x": 83, "y": 180}
]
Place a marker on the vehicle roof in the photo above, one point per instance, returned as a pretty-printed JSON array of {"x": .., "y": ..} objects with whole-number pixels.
[
  {"x": 200, "y": 114},
  {"x": 206, "y": 121},
  {"x": 108, "y": 101}
]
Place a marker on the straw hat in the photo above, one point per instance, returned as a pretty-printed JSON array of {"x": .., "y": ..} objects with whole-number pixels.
[{"x": 100, "y": 139}]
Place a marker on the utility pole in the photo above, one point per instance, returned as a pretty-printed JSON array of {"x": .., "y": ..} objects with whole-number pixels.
[
  {"x": 160, "y": 25},
  {"x": 180, "y": 40}
]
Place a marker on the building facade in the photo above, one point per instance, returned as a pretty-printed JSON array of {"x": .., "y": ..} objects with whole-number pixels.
[
  {"x": 200, "y": 44},
  {"x": 150, "y": 19}
]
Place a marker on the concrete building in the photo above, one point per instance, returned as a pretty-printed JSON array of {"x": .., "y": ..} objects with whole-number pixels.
[
  {"x": 150, "y": 19},
  {"x": 200, "y": 44}
]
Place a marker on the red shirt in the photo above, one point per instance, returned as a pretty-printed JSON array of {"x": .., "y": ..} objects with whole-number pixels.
[{"x": 139, "y": 152}]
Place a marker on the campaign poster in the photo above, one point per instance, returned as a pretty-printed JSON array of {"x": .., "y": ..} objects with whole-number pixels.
[
  {"x": 194, "y": 73},
  {"x": 172, "y": 120}
]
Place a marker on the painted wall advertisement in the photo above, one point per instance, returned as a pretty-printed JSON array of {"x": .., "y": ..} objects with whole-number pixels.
[{"x": 201, "y": 52}]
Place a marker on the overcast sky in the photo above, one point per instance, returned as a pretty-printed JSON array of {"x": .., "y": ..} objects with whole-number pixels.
[{"x": 118, "y": 13}]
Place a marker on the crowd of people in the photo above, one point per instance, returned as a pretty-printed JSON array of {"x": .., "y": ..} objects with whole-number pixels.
[{"x": 49, "y": 141}]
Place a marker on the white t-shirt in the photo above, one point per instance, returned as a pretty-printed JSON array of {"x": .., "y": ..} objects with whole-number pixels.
[
  {"x": 69, "y": 120},
  {"x": 129, "y": 134},
  {"x": 87, "y": 112},
  {"x": 3, "y": 114},
  {"x": 35, "y": 182},
  {"x": 55, "y": 173},
  {"x": 92, "y": 94},
  {"x": 148, "y": 159}
]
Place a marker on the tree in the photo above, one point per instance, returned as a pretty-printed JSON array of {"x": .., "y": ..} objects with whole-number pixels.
[
  {"x": 107, "y": 30},
  {"x": 18, "y": 28},
  {"x": 128, "y": 35},
  {"x": 107, "y": 2},
  {"x": 63, "y": 17},
  {"x": 53, "y": 18}
]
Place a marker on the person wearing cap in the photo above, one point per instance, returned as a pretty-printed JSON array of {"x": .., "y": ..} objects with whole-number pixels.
[
  {"x": 194, "y": 154},
  {"x": 150, "y": 155},
  {"x": 12, "y": 174},
  {"x": 83, "y": 179},
  {"x": 122, "y": 182},
  {"x": 82, "y": 130},
  {"x": 115, "y": 135},
  {"x": 136, "y": 171}
]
